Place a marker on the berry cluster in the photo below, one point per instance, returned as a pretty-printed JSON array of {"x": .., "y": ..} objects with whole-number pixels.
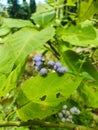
[
  {"x": 39, "y": 61},
  {"x": 57, "y": 66},
  {"x": 43, "y": 68},
  {"x": 66, "y": 115}
]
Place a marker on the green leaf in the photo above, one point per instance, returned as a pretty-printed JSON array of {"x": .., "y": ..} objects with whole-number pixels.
[
  {"x": 44, "y": 8},
  {"x": 78, "y": 65},
  {"x": 89, "y": 93},
  {"x": 2, "y": 79},
  {"x": 27, "y": 40},
  {"x": 40, "y": 97},
  {"x": 87, "y": 76},
  {"x": 20, "y": 44},
  {"x": 87, "y": 9},
  {"x": 4, "y": 31},
  {"x": 80, "y": 35},
  {"x": 43, "y": 19},
  {"x": 6, "y": 59},
  {"x": 71, "y": 2},
  {"x": 12, "y": 79},
  {"x": 16, "y": 23}
]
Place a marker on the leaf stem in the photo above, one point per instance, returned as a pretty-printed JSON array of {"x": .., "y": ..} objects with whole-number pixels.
[{"x": 44, "y": 124}]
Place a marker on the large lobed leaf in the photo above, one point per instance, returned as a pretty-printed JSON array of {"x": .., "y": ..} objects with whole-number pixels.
[
  {"x": 27, "y": 40},
  {"x": 4, "y": 31},
  {"x": 80, "y": 35},
  {"x": 40, "y": 97},
  {"x": 20, "y": 44},
  {"x": 6, "y": 59},
  {"x": 16, "y": 49}
]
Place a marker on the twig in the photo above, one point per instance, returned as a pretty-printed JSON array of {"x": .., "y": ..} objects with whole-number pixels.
[{"x": 44, "y": 124}]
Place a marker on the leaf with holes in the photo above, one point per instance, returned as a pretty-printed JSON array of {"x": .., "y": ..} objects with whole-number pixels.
[{"x": 40, "y": 97}]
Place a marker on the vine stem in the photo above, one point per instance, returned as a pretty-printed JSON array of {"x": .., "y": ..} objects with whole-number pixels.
[{"x": 44, "y": 124}]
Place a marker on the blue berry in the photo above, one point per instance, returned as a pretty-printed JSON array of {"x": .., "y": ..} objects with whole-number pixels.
[
  {"x": 61, "y": 70},
  {"x": 57, "y": 65},
  {"x": 51, "y": 63},
  {"x": 43, "y": 71},
  {"x": 38, "y": 57},
  {"x": 38, "y": 63}
]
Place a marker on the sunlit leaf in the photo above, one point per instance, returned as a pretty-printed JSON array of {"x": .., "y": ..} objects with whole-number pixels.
[
  {"x": 16, "y": 23},
  {"x": 40, "y": 97},
  {"x": 2, "y": 79},
  {"x": 4, "y": 31},
  {"x": 87, "y": 9},
  {"x": 80, "y": 35},
  {"x": 43, "y": 19},
  {"x": 12, "y": 79},
  {"x": 6, "y": 59},
  {"x": 27, "y": 40}
]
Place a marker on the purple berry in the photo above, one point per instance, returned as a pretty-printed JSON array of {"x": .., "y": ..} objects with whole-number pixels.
[
  {"x": 61, "y": 70},
  {"x": 43, "y": 71},
  {"x": 38, "y": 63},
  {"x": 57, "y": 65},
  {"x": 51, "y": 63},
  {"x": 38, "y": 57}
]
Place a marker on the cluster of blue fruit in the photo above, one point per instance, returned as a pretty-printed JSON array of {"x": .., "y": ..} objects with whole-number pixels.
[
  {"x": 66, "y": 115},
  {"x": 43, "y": 68}
]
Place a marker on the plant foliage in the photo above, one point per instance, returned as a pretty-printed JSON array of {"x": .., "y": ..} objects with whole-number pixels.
[{"x": 28, "y": 98}]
